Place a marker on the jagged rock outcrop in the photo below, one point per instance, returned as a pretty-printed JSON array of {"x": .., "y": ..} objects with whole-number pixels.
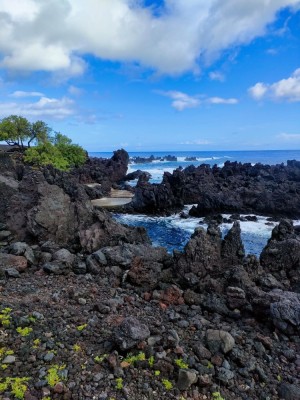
[
  {"x": 281, "y": 256},
  {"x": 50, "y": 205},
  {"x": 236, "y": 187},
  {"x": 206, "y": 255}
]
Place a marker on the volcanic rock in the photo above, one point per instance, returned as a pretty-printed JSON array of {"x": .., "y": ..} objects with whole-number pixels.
[{"x": 130, "y": 332}]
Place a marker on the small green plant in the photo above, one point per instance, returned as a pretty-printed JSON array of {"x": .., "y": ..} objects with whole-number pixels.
[
  {"x": 17, "y": 386},
  {"x": 36, "y": 343},
  {"x": 4, "y": 366},
  {"x": 76, "y": 347},
  {"x": 157, "y": 372},
  {"x": 119, "y": 383},
  {"x": 31, "y": 319},
  {"x": 5, "y": 317},
  {"x": 209, "y": 365},
  {"x": 81, "y": 327},
  {"x": 217, "y": 396},
  {"x": 131, "y": 359},
  {"x": 279, "y": 378},
  {"x": 181, "y": 364},
  {"x": 24, "y": 331},
  {"x": 167, "y": 384},
  {"x": 5, "y": 352},
  {"x": 46, "y": 398},
  {"x": 151, "y": 361},
  {"x": 53, "y": 377},
  {"x": 100, "y": 359}
]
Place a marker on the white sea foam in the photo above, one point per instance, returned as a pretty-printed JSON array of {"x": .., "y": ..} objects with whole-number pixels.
[{"x": 255, "y": 234}]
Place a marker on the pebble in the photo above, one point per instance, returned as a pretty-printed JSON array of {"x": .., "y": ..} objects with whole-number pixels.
[
  {"x": 9, "y": 360},
  {"x": 49, "y": 357}
]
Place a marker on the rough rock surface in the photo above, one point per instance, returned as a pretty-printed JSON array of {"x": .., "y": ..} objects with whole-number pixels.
[
  {"x": 130, "y": 332},
  {"x": 236, "y": 187},
  {"x": 281, "y": 256},
  {"x": 110, "y": 317}
]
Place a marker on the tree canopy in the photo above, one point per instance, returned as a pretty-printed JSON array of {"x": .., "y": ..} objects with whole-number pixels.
[
  {"x": 16, "y": 130},
  {"x": 57, "y": 150}
]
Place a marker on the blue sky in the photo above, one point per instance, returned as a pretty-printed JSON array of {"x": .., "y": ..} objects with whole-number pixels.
[{"x": 155, "y": 75}]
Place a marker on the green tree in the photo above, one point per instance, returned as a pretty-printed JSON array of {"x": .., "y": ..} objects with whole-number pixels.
[
  {"x": 16, "y": 130},
  {"x": 39, "y": 133}
]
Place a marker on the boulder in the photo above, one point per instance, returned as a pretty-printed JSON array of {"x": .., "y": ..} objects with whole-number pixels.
[
  {"x": 11, "y": 261},
  {"x": 288, "y": 391},
  {"x": 281, "y": 256},
  {"x": 285, "y": 310},
  {"x": 186, "y": 378},
  {"x": 130, "y": 332},
  {"x": 218, "y": 340},
  {"x": 22, "y": 249}
]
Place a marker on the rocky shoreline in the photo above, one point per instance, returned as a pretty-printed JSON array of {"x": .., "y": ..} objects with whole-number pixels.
[{"x": 90, "y": 310}]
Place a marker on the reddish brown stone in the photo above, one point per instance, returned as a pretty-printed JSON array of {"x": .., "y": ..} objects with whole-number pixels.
[{"x": 11, "y": 261}]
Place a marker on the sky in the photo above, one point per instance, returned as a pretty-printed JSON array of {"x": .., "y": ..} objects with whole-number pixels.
[{"x": 155, "y": 75}]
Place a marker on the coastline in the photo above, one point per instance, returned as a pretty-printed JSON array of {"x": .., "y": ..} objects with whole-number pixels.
[{"x": 92, "y": 301}]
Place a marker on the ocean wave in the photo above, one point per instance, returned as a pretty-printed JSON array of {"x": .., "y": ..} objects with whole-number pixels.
[{"x": 173, "y": 232}]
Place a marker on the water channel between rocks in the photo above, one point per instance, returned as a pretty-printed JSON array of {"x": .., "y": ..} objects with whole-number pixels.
[{"x": 174, "y": 232}]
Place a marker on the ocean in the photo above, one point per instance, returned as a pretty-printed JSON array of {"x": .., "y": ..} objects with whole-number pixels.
[
  {"x": 174, "y": 232},
  {"x": 157, "y": 168}
]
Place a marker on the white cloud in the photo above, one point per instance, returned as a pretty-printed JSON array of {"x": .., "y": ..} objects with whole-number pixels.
[
  {"x": 45, "y": 107},
  {"x": 181, "y": 100},
  {"x": 54, "y": 35},
  {"x": 220, "y": 100},
  {"x": 19, "y": 94},
  {"x": 217, "y": 76},
  {"x": 74, "y": 90},
  {"x": 289, "y": 137},
  {"x": 284, "y": 90},
  {"x": 258, "y": 90}
]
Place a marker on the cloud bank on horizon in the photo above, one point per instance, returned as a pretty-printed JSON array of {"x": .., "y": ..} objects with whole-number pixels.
[{"x": 72, "y": 40}]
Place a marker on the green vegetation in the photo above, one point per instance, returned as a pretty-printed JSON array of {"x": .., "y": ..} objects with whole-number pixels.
[
  {"x": 76, "y": 347},
  {"x": 16, "y": 130},
  {"x": 167, "y": 384},
  {"x": 17, "y": 386},
  {"x": 53, "y": 377},
  {"x": 81, "y": 327},
  {"x": 5, "y": 352},
  {"x": 100, "y": 359},
  {"x": 217, "y": 396},
  {"x": 151, "y": 361},
  {"x": 5, "y": 317},
  {"x": 36, "y": 343},
  {"x": 131, "y": 359},
  {"x": 24, "y": 331},
  {"x": 181, "y": 364},
  {"x": 57, "y": 150},
  {"x": 119, "y": 383}
]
